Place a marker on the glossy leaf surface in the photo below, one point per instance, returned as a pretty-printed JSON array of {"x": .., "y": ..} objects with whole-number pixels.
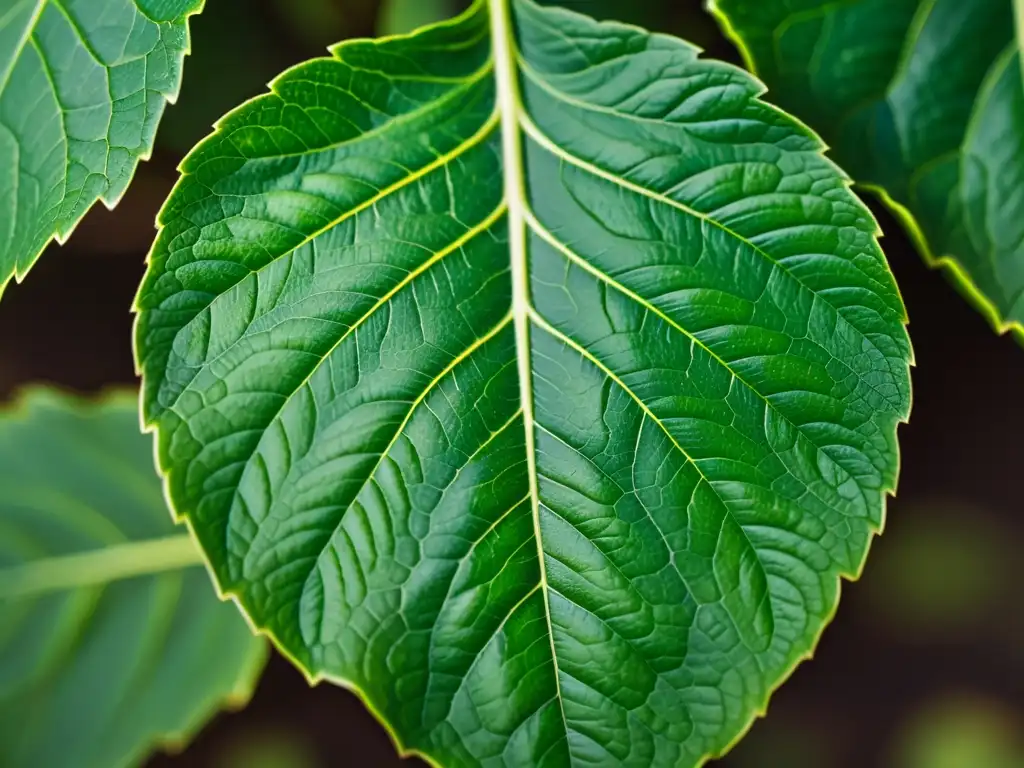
[
  {"x": 530, "y": 377},
  {"x": 83, "y": 84},
  {"x": 112, "y": 639},
  {"x": 923, "y": 100}
]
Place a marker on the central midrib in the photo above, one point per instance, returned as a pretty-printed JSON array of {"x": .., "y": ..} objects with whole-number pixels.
[{"x": 506, "y": 78}]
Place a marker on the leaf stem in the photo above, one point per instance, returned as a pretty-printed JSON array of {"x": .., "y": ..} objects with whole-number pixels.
[{"x": 86, "y": 569}]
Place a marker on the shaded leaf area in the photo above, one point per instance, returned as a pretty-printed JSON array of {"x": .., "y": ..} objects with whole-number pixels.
[
  {"x": 112, "y": 640},
  {"x": 83, "y": 84},
  {"x": 398, "y": 17},
  {"x": 922, "y": 99},
  {"x": 554, "y": 451}
]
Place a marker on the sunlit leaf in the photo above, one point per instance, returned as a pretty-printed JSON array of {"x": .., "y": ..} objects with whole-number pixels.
[
  {"x": 530, "y": 377},
  {"x": 112, "y": 640},
  {"x": 83, "y": 84},
  {"x": 923, "y": 100}
]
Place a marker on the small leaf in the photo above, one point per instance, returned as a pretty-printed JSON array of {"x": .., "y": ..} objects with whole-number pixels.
[
  {"x": 112, "y": 640},
  {"x": 83, "y": 84},
  {"x": 923, "y": 100},
  {"x": 530, "y": 377}
]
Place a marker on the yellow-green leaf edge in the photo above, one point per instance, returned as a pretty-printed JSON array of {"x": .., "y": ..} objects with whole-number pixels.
[
  {"x": 18, "y": 276},
  {"x": 948, "y": 263},
  {"x": 401, "y": 749}
]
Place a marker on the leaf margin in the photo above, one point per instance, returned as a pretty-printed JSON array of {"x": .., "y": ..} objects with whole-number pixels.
[
  {"x": 949, "y": 264},
  {"x": 18, "y": 274},
  {"x": 120, "y": 397},
  {"x": 150, "y": 425}
]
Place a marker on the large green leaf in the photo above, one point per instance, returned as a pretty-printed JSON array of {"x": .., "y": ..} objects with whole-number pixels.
[
  {"x": 83, "y": 84},
  {"x": 112, "y": 639},
  {"x": 530, "y": 377},
  {"x": 922, "y": 100}
]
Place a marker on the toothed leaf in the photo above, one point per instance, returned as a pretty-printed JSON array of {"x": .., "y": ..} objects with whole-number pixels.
[
  {"x": 530, "y": 377},
  {"x": 83, "y": 84},
  {"x": 922, "y": 99}
]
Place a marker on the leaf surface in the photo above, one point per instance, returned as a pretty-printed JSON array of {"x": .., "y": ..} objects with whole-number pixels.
[
  {"x": 83, "y": 84},
  {"x": 530, "y": 377},
  {"x": 112, "y": 640},
  {"x": 922, "y": 100}
]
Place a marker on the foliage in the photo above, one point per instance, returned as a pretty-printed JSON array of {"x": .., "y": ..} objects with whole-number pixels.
[
  {"x": 539, "y": 386},
  {"x": 921, "y": 100},
  {"x": 112, "y": 640},
  {"x": 83, "y": 84},
  {"x": 399, "y": 17}
]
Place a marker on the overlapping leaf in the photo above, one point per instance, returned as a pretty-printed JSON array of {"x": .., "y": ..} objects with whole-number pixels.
[
  {"x": 83, "y": 84},
  {"x": 531, "y": 377},
  {"x": 922, "y": 99},
  {"x": 112, "y": 639}
]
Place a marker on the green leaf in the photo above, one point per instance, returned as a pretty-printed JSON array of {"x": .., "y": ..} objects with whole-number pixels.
[
  {"x": 83, "y": 84},
  {"x": 112, "y": 640},
  {"x": 530, "y": 377},
  {"x": 921, "y": 100}
]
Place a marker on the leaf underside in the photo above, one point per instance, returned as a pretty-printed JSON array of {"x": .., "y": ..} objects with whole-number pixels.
[
  {"x": 83, "y": 84},
  {"x": 112, "y": 639},
  {"x": 922, "y": 99},
  {"x": 553, "y": 448}
]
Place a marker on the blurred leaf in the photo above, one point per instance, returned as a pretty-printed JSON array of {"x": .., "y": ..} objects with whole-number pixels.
[
  {"x": 943, "y": 567},
  {"x": 112, "y": 640},
  {"x": 962, "y": 733},
  {"x": 272, "y": 748},
  {"x": 318, "y": 23},
  {"x": 83, "y": 85},
  {"x": 399, "y": 17}
]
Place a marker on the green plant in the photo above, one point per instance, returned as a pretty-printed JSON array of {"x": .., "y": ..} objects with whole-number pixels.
[
  {"x": 112, "y": 639},
  {"x": 82, "y": 88},
  {"x": 930, "y": 115},
  {"x": 529, "y": 375}
]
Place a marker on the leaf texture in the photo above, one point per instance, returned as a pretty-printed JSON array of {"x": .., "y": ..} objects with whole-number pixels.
[
  {"x": 923, "y": 101},
  {"x": 531, "y": 377},
  {"x": 112, "y": 640},
  {"x": 83, "y": 84}
]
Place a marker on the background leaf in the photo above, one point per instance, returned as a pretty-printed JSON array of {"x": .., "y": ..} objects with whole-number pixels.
[
  {"x": 553, "y": 448},
  {"x": 83, "y": 84},
  {"x": 112, "y": 640},
  {"x": 399, "y": 17},
  {"x": 923, "y": 100}
]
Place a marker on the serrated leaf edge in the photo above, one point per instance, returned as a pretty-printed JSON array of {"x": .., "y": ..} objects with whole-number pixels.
[
  {"x": 500, "y": 9},
  {"x": 18, "y": 273},
  {"x": 948, "y": 263}
]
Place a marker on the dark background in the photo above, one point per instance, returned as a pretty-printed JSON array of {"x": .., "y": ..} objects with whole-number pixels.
[{"x": 923, "y": 666}]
